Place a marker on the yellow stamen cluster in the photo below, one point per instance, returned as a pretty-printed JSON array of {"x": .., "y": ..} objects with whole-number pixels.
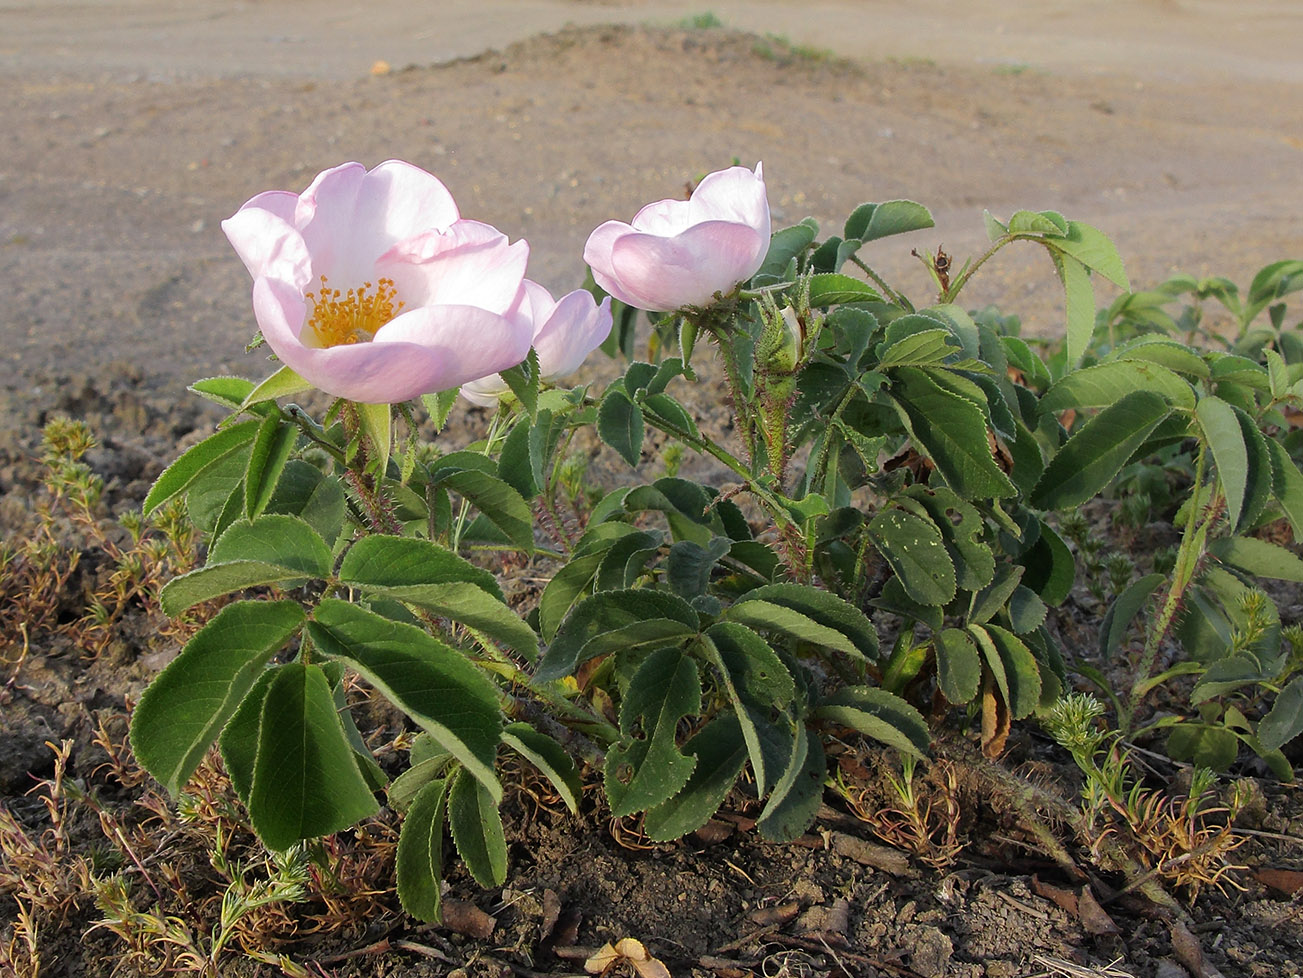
[{"x": 339, "y": 318}]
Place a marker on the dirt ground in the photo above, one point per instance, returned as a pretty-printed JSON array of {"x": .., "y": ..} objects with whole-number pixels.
[{"x": 129, "y": 131}]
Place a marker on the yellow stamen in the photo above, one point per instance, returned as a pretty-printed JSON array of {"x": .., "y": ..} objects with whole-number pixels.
[{"x": 339, "y": 318}]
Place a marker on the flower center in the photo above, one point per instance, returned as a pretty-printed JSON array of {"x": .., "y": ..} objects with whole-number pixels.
[{"x": 355, "y": 316}]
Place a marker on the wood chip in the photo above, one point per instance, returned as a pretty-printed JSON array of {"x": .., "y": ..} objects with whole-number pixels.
[
  {"x": 769, "y": 916},
  {"x": 1283, "y": 881},
  {"x": 867, "y": 853},
  {"x": 466, "y": 918},
  {"x": 1187, "y": 950},
  {"x": 551, "y": 914}
]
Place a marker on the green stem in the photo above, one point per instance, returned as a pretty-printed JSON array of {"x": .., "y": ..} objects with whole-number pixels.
[
  {"x": 896, "y": 297},
  {"x": 1182, "y": 574},
  {"x": 952, "y": 293},
  {"x": 741, "y": 404}
]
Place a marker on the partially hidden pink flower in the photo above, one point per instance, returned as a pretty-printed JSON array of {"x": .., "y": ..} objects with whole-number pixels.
[
  {"x": 371, "y": 287},
  {"x": 682, "y": 252},
  {"x": 566, "y": 330}
]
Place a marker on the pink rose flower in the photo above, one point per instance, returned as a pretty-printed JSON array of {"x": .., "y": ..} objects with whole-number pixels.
[
  {"x": 682, "y": 252},
  {"x": 371, "y": 287},
  {"x": 565, "y": 332}
]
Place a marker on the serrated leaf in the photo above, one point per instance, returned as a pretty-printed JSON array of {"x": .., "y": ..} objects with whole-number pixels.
[
  {"x": 429, "y": 681},
  {"x": 807, "y": 614},
  {"x": 477, "y": 830},
  {"x": 1106, "y": 383},
  {"x": 419, "y": 861},
  {"x": 1223, "y": 434},
  {"x": 991, "y": 600},
  {"x": 549, "y": 757},
  {"x": 1050, "y": 567},
  {"x": 757, "y": 683},
  {"x": 1284, "y": 721},
  {"x": 926, "y": 347},
  {"x": 306, "y": 782},
  {"x": 388, "y": 562},
  {"x": 1033, "y": 222},
  {"x": 402, "y": 791},
  {"x": 879, "y": 714},
  {"x": 833, "y": 288},
  {"x": 795, "y": 800},
  {"x": 376, "y": 421},
  {"x": 614, "y": 620},
  {"x": 283, "y": 383},
  {"x": 500, "y": 504},
  {"x": 914, "y": 548},
  {"x": 626, "y": 559},
  {"x": 620, "y": 425},
  {"x": 1079, "y": 297},
  {"x": 1207, "y": 746},
  {"x": 271, "y": 450},
  {"x": 720, "y": 753},
  {"x": 689, "y": 565},
  {"x": 869, "y": 222},
  {"x": 1014, "y": 666},
  {"x": 318, "y": 500},
  {"x": 784, "y": 246},
  {"x": 178, "y": 476},
  {"x": 1093, "y": 456},
  {"x": 686, "y": 505},
  {"x": 239, "y": 738},
  {"x": 646, "y": 768},
  {"x": 961, "y": 529},
  {"x": 439, "y": 406},
  {"x": 953, "y": 433},
  {"x": 1258, "y": 557},
  {"x": 184, "y": 709},
  {"x": 1287, "y": 486},
  {"x": 959, "y": 670},
  {"x": 229, "y": 392},
  {"x": 1093, "y": 249},
  {"x": 1026, "y": 610},
  {"x": 566, "y": 588}
]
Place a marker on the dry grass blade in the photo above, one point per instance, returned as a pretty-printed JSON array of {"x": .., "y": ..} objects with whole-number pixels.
[{"x": 1068, "y": 969}]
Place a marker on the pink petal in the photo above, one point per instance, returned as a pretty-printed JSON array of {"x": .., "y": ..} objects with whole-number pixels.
[
  {"x": 485, "y": 392},
  {"x": 468, "y": 264},
  {"x": 538, "y": 305},
  {"x": 268, "y": 245},
  {"x": 576, "y": 327},
  {"x": 736, "y": 194},
  {"x": 469, "y": 343},
  {"x": 398, "y": 200},
  {"x": 325, "y": 217},
  {"x": 597, "y": 255},
  {"x": 688, "y": 269},
  {"x": 663, "y": 217}
]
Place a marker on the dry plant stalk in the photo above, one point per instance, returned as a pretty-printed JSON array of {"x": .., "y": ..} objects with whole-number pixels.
[{"x": 925, "y": 823}]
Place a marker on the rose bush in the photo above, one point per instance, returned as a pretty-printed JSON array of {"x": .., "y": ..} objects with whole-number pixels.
[
  {"x": 565, "y": 332},
  {"x": 680, "y": 253},
  {"x": 372, "y": 287}
]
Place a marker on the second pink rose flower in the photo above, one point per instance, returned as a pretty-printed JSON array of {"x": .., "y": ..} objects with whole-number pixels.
[{"x": 678, "y": 253}]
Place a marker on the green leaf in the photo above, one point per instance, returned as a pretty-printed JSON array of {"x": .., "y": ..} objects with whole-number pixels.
[
  {"x": 1222, "y": 431},
  {"x": 784, "y": 246},
  {"x": 687, "y": 507},
  {"x": 807, "y": 614},
  {"x": 1284, "y": 721},
  {"x": 833, "y": 288},
  {"x": 1093, "y": 456},
  {"x": 549, "y": 757},
  {"x": 953, "y": 432},
  {"x": 1106, "y": 383},
  {"x": 879, "y": 714},
  {"x": 1079, "y": 297},
  {"x": 959, "y": 670},
  {"x": 403, "y": 789},
  {"x": 523, "y": 381},
  {"x": 283, "y": 383},
  {"x": 567, "y": 586},
  {"x": 620, "y": 425},
  {"x": 1093, "y": 249},
  {"x": 178, "y": 476},
  {"x": 317, "y": 499},
  {"x": 376, "y": 421},
  {"x": 689, "y": 565},
  {"x": 306, "y": 782},
  {"x": 1206, "y": 745},
  {"x": 501, "y": 505},
  {"x": 394, "y": 562},
  {"x": 720, "y": 754},
  {"x": 868, "y": 222},
  {"x": 1259, "y": 473},
  {"x": 992, "y": 599},
  {"x": 646, "y": 768},
  {"x": 1287, "y": 485},
  {"x": 612, "y": 621},
  {"x": 184, "y": 709},
  {"x": 961, "y": 528},
  {"x": 477, "y": 830},
  {"x": 1258, "y": 557},
  {"x": 627, "y": 558},
  {"x": 929, "y": 346},
  {"x": 795, "y": 800},
  {"x": 914, "y": 548},
  {"x": 1033, "y": 222},
  {"x": 239, "y": 738},
  {"x": 229, "y": 392},
  {"x": 430, "y": 682},
  {"x": 439, "y": 406},
  {"x": 757, "y": 683},
  {"x": 419, "y": 862},
  {"x": 1022, "y": 674},
  {"x": 271, "y": 450},
  {"x": 272, "y": 549},
  {"x": 1051, "y": 569},
  {"x": 1164, "y": 352}
]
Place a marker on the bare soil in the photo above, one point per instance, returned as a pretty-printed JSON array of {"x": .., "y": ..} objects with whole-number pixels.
[{"x": 126, "y": 135}]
